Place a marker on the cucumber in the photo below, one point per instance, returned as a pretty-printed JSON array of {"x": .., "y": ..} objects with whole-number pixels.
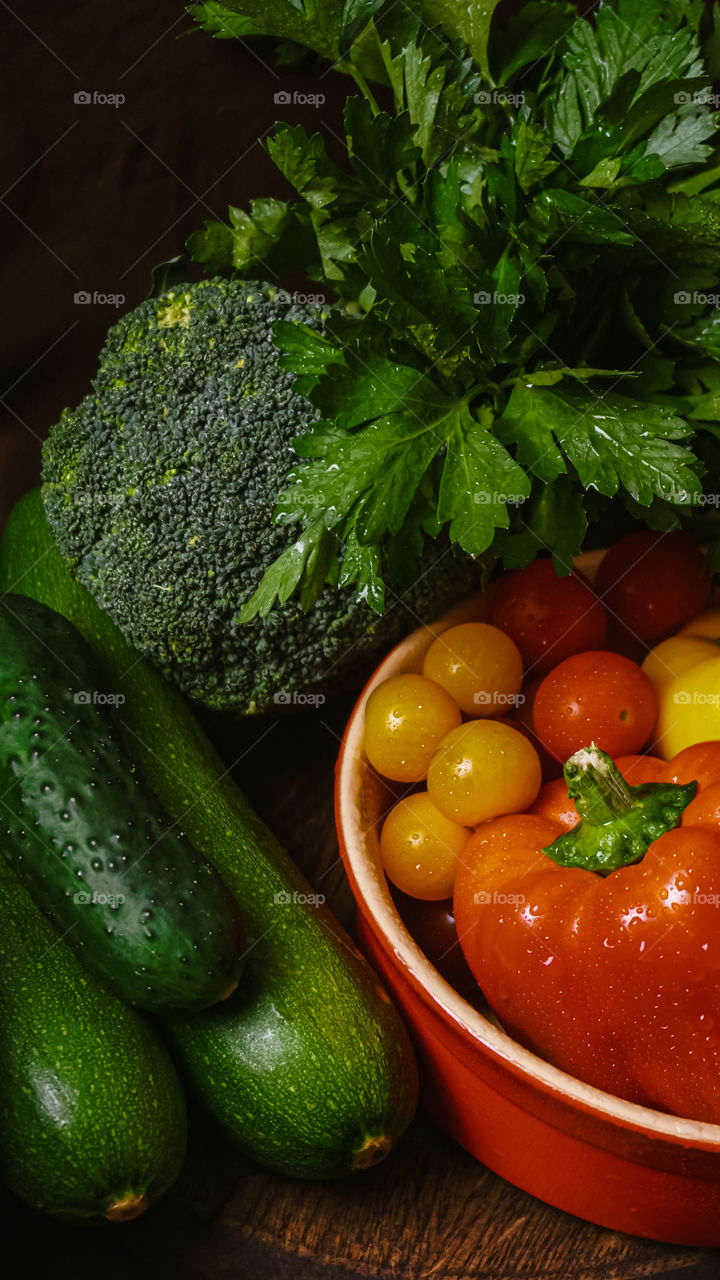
[
  {"x": 92, "y": 1115},
  {"x": 307, "y": 1066},
  {"x": 141, "y": 907}
]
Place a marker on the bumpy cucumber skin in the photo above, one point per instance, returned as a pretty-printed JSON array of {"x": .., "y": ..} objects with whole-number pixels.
[
  {"x": 308, "y": 1063},
  {"x": 142, "y": 908},
  {"x": 91, "y": 1108}
]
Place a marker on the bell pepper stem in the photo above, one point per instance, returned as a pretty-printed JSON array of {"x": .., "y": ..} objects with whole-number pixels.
[
  {"x": 618, "y": 823},
  {"x": 597, "y": 786}
]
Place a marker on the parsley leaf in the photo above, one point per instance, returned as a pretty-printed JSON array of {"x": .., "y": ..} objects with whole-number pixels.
[
  {"x": 527, "y": 274},
  {"x": 613, "y": 441},
  {"x": 274, "y": 237},
  {"x": 326, "y": 26},
  {"x": 467, "y": 19},
  {"x": 480, "y": 480},
  {"x": 530, "y": 36},
  {"x": 377, "y": 469}
]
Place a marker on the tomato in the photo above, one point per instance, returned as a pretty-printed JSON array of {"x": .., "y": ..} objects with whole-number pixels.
[
  {"x": 479, "y": 666},
  {"x": 638, "y": 770},
  {"x": 483, "y": 769},
  {"x": 595, "y": 697},
  {"x": 676, "y": 656},
  {"x": 548, "y": 617},
  {"x": 406, "y": 719},
  {"x": 420, "y": 847},
  {"x": 653, "y": 582},
  {"x": 705, "y": 625}
]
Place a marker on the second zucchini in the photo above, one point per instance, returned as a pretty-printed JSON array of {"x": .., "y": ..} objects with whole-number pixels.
[{"x": 119, "y": 879}]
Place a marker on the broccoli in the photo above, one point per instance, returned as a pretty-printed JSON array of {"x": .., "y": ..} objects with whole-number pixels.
[{"x": 160, "y": 486}]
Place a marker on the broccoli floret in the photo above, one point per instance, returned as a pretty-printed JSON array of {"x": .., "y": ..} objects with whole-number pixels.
[{"x": 160, "y": 487}]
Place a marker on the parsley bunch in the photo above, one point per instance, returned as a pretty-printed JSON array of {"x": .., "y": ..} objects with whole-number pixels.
[{"x": 525, "y": 238}]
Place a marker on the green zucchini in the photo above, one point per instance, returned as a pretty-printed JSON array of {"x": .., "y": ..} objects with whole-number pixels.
[
  {"x": 307, "y": 1066},
  {"x": 142, "y": 908},
  {"x": 92, "y": 1115}
]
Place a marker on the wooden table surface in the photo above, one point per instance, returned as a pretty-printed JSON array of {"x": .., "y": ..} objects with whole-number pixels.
[{"x": 93, "y": 197}]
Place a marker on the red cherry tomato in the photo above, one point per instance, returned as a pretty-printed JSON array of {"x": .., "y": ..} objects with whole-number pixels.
[
  {"x": 638, "y": 770},
  {"x": 652, "y": 582},
  {"x": 596, "y": 697},
  {"x": 548, "y": 617}
]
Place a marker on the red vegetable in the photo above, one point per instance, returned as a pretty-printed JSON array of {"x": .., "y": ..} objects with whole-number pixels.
[
  {"x": 599, "y": 947},
  {"x": 547, "y": 616},
  {"x": 653, "y": 582},
  {"x": 596, "y": 697}
]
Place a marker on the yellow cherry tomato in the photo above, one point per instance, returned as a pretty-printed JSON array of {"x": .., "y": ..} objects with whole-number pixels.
[
  {"x": 706, "y": 624},
  {"x": 479, "y": 665},
  {"x": 676, "y": 655},
  {"x": 406, "y": 719},
  {"x": 420, "y": 847},
  {"x": 483, "y": 770},
  {"x": 689, "y": 709},
  {"x": 685, "y": 670}
]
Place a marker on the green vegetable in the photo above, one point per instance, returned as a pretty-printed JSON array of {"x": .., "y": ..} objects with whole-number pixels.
[
  {"x": 528, "y": 232},
  {"x": 307, "y": 1066},
  {"x": 160, "y": 486},
  {"x": 91, "y": 1111},
  {"x": 324, "y": 25},
  {"x": 124, "y": 886},
  {"x": 618, "y": 823}
]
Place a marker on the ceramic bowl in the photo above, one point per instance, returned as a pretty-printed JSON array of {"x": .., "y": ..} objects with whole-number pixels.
[{"x": 609, "y": 1161}]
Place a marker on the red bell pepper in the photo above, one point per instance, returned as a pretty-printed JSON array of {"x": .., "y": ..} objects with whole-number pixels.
[{"x": 598, "y": 944}]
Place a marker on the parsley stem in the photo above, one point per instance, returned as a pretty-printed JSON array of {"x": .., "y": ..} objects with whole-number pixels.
[
  {"x": 406, "y": 188},
  {"x": 361, "y": 83},
  {"x": 697, "y": 183},
  {"x": 476, "y": 391}
]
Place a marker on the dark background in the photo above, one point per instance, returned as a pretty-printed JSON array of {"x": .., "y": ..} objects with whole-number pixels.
[{"x": 92, "y": 196}]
